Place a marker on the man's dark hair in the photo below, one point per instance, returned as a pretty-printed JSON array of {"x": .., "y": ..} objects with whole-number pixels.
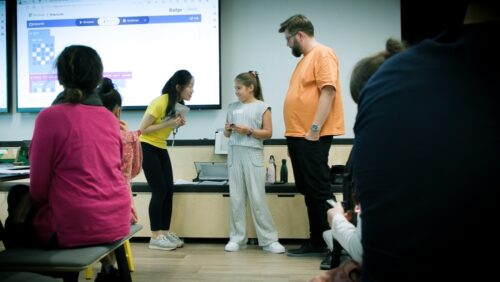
[{"x": 297, "y": 23}]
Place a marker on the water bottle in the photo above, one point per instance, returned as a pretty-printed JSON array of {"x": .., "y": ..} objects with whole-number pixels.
[
  {"x": 283, "y": 172},
  {"x": 271, "y": 171},
  {"x": 275, "y": 177}
]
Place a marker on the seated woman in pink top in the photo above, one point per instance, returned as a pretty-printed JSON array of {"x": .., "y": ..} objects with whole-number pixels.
[
  {"x": 132, "y": 152},
  {"x": 75, "y": 155},
  {"x": 78, "y": 193}
]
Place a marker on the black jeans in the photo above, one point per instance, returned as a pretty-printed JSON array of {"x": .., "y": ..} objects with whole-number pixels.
[
  {"x": 158, "y": 171},
  {"x": 312, "y": 179}
]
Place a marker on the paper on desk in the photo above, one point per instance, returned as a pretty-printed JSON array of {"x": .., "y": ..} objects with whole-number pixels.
[
  {"x": 210, "y": 182},
  {"x": 14, "y": 171},
  {"x": 205, "y": 182},
  {"x": 183, "y": 182}
]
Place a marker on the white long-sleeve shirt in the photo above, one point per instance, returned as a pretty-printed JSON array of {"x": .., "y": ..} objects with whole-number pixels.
[{"x": 349, "y": 236}]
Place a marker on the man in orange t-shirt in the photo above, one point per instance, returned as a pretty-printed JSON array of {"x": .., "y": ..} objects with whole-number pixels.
[{"x": 313, "y": 114}]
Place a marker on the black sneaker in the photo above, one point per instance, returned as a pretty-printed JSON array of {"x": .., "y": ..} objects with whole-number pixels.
[
  {"x": 308, "y": 250},
  {"x": 326, "y": 263},
  {"x": 109, "y": 274}
]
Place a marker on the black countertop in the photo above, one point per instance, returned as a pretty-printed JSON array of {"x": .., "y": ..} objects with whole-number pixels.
[
  {"x": 204, "y": 188},
  {"x": 278, "y": 188}
]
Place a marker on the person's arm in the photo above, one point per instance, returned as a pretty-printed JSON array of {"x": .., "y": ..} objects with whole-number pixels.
[
  {"x": 41, "y": 155},
  {"x": 266, "y": 131},
  {"x": 326, "y": 98},
  {"x": 131, "y": 162},
  {"x": 348, "y": 235},
  {"x": 147, "y": 125},
  {"x": 136, "y": 154},
  {"x": 134, "y": 218},
  {"x": 228, "y": 128}
]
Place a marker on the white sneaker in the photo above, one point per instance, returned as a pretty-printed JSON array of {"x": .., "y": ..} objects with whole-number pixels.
[
  {"x": 174, "y": 238},
  {"x": 234, "y": 247},
  {"x": 275, "y": 248},
  {"x": 162, "y": 243}
]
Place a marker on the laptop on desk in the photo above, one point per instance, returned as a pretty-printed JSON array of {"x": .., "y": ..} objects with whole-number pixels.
[{"x": 211, "y": 171}]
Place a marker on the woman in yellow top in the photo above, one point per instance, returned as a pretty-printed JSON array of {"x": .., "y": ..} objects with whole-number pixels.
[{"x": 159, "y": 120}]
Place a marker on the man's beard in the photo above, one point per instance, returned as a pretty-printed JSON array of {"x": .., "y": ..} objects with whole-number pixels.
[{"x": 296, "y": 50}]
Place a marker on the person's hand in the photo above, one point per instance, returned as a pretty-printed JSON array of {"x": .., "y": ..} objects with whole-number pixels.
[
  {"x": 241, "y": 129},
  {"x": 123, "y": 126},
  {"x": 182, "y": 121},
  {"x": 176, "y": 122},
  {"x": 326, "y": 276},
  {"x": 134, "y": 218},
  {"x": 312, "y": 136},
  {"x": 349, "y": 215},
  {"x": 331, "y": 213}
]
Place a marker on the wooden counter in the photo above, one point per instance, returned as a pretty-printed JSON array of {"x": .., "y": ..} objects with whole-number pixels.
[{"x": 202, "y": 211}]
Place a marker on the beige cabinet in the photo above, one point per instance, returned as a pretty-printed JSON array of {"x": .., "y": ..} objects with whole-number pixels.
[
  {"x": 206, "y": 215},
  {"x": 194, "y": 215},
  {"x": 289, "y": 214}
]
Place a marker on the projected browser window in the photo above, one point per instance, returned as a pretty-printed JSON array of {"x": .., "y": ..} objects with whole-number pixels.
[
  {"x": 3, "y": 57},
  {"x": 141, "y": 43}
]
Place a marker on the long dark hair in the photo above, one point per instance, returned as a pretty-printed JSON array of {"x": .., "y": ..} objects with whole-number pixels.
[
  {"x": 110, "y": 97},
  {"x": 181, "y": 78},
  {"x": 79, "y": 71}
]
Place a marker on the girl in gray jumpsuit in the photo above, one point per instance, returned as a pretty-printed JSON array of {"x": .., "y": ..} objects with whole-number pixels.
[{"x": 248, "y": 123}]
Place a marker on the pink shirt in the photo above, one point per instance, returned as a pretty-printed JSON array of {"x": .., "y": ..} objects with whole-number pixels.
[
  {"x": 132, "y": 154},
  {"x": 75, "y": 176}
]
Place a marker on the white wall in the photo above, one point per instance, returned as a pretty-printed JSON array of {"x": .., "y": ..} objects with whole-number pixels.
[{"x": 250, "y": 41}]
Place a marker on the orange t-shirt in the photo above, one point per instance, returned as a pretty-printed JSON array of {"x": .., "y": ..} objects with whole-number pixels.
[{"x": 317, "y": 69}]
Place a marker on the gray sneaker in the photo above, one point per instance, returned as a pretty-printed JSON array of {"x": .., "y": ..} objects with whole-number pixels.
[
  {"x": 162, "y": 243},
  {"x": 172, "y": 237}
]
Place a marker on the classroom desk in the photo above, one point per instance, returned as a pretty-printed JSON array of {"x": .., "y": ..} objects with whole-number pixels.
[
  {"x": 204, "y": 188},
  {"x": 8, "y": 177},
  {"x": 5, "y": 176},
  {"x": 202, "y": 211}
]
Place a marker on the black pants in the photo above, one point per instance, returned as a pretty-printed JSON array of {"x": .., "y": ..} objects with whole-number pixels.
[
  {"x": 158, "y": 171},
  {"x": 312, "y": 179}
]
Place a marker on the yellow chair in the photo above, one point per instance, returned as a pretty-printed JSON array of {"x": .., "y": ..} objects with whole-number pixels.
[
  {"x": 128, "y": 253},
  {"x": 130, "y": 260}
]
